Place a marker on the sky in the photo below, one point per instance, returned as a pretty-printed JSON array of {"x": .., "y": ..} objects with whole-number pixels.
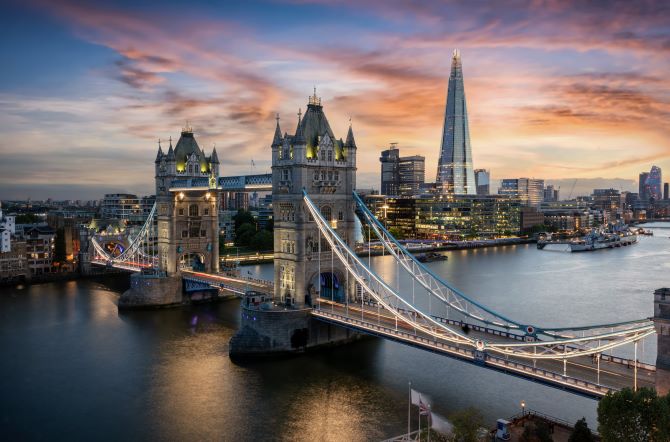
[{"x": 561, "y": 90}]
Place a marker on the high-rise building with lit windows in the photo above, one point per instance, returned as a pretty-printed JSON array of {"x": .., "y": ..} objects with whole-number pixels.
[{"x": 455, "y": 174}]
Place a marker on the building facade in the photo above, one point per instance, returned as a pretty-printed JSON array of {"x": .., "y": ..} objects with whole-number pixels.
[
  {"x": 401, "y": 175},
  {"x": 455, "y": 173},
  {"x": 529, "y": 191},
  {"x": 187, "y": 207},
  {"x": 483, "y": 181},
  {"x": 325, "y": 167}
]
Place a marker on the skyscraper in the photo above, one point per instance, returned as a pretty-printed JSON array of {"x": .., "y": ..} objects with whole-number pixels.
[
  {"x": 401, "y": 175},
  {"x": 654, "y": 183},
  {"x": 642, "y": 186},
  {"x": 529, "y": 191},
  {"x": 455, "y": 174}
]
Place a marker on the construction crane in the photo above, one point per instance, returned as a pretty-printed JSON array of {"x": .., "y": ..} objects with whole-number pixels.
[{"x": 572, "y": 188}]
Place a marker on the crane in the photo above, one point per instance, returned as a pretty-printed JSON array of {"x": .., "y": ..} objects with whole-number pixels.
[{"x": 572, "y": 188}]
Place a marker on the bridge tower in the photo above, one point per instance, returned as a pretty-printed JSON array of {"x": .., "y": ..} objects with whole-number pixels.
[
  {"x": 314, "y": 160},
  {"x": 187, "y": 207}
]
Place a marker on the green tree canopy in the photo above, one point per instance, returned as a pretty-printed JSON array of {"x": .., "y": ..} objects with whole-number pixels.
[
  {"x": 244, "y": 234},
  {"x": 466, "y": 424},
  {"x": 262, "y": 241},
  {"x": 243, "y": 217},
  {"x": 581, "y": 432},
  {"x": 634, "y": 416}
]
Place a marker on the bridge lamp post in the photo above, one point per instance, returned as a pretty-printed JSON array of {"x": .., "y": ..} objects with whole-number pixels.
[{"x": 523, "y": 408}]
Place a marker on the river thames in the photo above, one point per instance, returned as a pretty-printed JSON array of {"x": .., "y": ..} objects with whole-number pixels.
[{"x": 75, "y": 368}]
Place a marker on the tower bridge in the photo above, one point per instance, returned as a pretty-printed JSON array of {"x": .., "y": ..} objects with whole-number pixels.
[{"x": 322, "y": 293}]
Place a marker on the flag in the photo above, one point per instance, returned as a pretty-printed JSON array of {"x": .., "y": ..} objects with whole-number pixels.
[
  {"x": 422, "y": 401},
  {"x": 440, "y": 424}
]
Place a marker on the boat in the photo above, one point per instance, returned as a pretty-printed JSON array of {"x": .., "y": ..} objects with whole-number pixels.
[
  {"x": 431, "y": 256},
  {"x": 598, "y": 241}
]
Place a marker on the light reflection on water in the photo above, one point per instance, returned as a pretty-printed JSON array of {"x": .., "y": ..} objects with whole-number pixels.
[{"x": 74, "y": 367}]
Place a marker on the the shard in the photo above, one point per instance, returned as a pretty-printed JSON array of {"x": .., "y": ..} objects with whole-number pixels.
[{"x": 455, "y": 174}]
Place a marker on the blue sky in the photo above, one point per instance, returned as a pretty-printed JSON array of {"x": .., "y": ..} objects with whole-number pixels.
[{"x": 556, "y": 89}]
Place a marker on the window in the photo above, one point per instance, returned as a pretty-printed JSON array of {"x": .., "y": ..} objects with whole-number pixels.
[
  {"x": 326, "y": 212},
  {"x": 203, "y": 233},
  {"x": 340, "y": 216},
  {"x": 193, "y": 210},
  {"x": 337, "y": 176},
  {"x": 184, "y": 233},
  {"x": 330, "y": 155},
  {"x": 316, "y": 176},
  {"x": 330, "y": 176},
  {"x": 181, "y": 212},
  {"x": 207, "y": 211}
]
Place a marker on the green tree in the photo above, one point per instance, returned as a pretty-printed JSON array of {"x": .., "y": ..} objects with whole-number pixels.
[
  {"x": 634, "y": 416},
  {"x": 222, "y": 244},
  {"x": 262, "y": 241},
  {"x": 243, "y": 217},
  {"x": 244, "y": 234},
  {"x": 581, "y": 432},
  {"x": 466, "y": 424},
  {"x": 26, "y": 218}
]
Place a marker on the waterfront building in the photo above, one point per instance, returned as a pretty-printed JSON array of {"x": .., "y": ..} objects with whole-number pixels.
[
  {"x": 40, "y": 245},
  {"x": 530, "y": 217},
  {"x": 607, "y": 199},
  {"x": 396, "y": 213},
  {"x": 7, "y": 230},
  {"x": 14, "y": 263},
  {"x": 483, "y": 181},
  {"x": 265, "y": 212},
  {"x": 124, "y": 206},
  {"x": 401, "y": 175},
  {"x": 665, "y": 191},
  {"x": 529, "y": 191},
  {"x": 453, "y": 217},
  {"x": 455, "y": 174},
  {"x": 467, "y": 217}
]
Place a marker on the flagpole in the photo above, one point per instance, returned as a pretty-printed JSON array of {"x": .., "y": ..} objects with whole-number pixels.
[{"x": 409, "y": 410}]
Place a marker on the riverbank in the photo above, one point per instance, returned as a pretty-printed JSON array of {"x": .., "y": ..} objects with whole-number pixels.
[{"x": 378, "y": 250}]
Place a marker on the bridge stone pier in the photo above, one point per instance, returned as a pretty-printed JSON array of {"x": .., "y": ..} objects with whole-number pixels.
[
  {"x": 304, "y": 266},
  {"x": 662, "y": 325}
]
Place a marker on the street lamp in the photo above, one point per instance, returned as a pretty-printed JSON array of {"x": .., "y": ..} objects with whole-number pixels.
[{"x": 523, "y": 408}]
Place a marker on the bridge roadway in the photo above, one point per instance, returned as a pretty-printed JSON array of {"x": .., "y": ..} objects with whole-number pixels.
[
  {"x": 582, "y": 374},
  {"x": 235, "y": 284}
]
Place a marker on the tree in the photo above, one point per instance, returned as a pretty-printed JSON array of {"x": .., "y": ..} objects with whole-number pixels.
[
  {"x": 243, "y": 217},
  {"x": 466, "y": 424},
  {"x": 262, "y": 241},
  {"x": 244, "y": 234},
  {"x": 26, "y": 218},
  {"x": 634, "y": 416},
  {"x": 581, "y": 432}
]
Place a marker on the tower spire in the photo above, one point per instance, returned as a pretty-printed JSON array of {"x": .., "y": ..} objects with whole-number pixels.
[
  {"x": 455, "y": 172},
  {"x": 276, "y": 141}
]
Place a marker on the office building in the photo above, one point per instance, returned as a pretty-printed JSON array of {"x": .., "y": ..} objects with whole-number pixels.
[
  {"x": 455, "y": 173},
  {"x": 483, "y": 181},
  {"x": 401, "y": 175},
  {"x": 551, "y": 193},
  {"x": 529, "y": 191}
]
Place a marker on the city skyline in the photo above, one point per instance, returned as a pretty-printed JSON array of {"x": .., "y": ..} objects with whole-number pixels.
[{"x": 89, "y": 89}]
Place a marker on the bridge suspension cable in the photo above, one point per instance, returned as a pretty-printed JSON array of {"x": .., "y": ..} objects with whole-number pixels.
[
  {"x": 468, "y": 307},
  {"x": 416, "y": 317},
  {"x": 140, "y": 252}
]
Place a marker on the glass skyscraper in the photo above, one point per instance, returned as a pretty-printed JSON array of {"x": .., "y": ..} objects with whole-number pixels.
[
  {"x": 455, "y": 174},
  {"x": 654, "y": 183}
]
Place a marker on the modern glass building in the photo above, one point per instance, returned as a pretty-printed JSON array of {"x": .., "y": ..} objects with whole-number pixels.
[
  {"x": 654, "y": 184},
  {"x": 483, "y": 181},
  {"x": 450, "y": 217},
  {"x": 455, "y": 174},
  {"x": 529, "y": 190},
  {"x": 401, "y": 175}
]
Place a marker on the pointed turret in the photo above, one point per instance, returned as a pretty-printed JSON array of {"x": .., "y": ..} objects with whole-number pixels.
[
  {"x": 277, "y": 140},
  {"x": 299, "y": 135},
  {"x": 350, "y": 139},
  {"x": 159, "y": 155},
  {"x": 214, "y": 159},
  {"x": 170, "y": 154}
]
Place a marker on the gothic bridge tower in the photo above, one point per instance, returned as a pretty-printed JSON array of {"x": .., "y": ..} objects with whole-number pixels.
[
  {"x": 187, "y": 207},
  {"x": 325, "y": 167}
]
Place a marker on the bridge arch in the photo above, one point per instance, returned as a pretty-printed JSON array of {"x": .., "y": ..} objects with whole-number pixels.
[{"x": 192, "y": 261}]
